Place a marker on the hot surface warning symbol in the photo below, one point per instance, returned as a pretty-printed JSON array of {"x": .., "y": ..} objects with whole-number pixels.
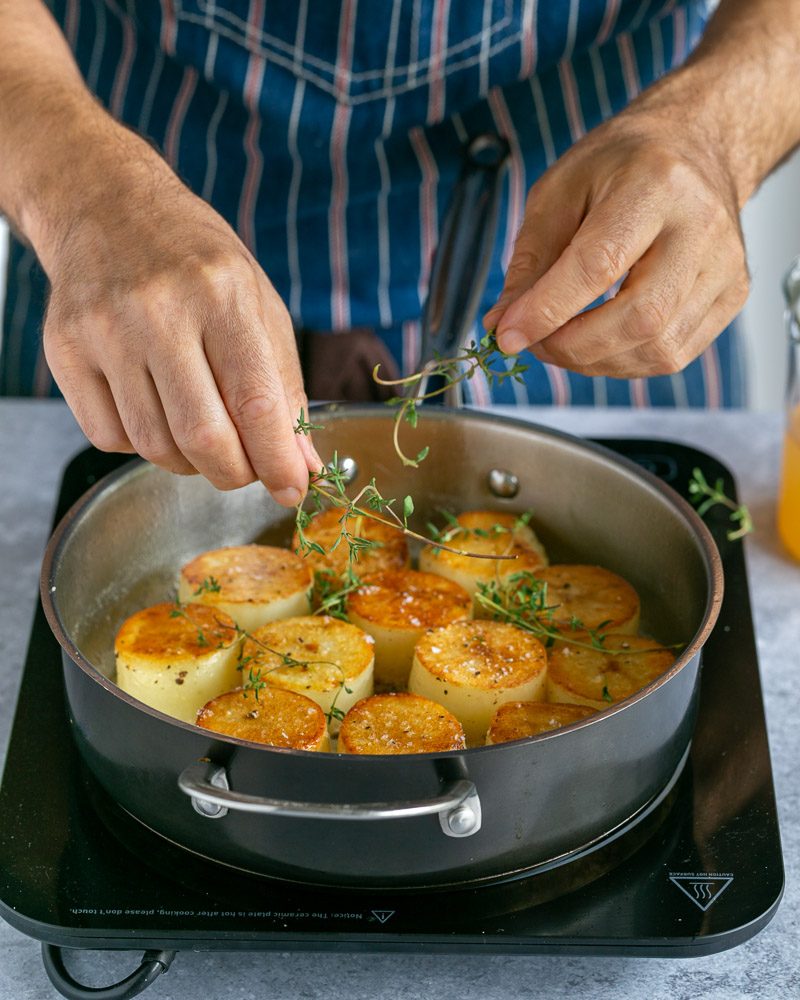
[{"x": 703, "y": 888}]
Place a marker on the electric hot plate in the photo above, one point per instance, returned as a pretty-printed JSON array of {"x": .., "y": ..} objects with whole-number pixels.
[{"x": 702, "y": 871}]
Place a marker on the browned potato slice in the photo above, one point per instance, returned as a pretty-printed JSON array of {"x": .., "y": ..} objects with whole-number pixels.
[
  {"x": 399, "y": 723},
  {"x": 591, "y": 595},
  {"x": 336, "y": 656},
  {"x": 175, "y": 658},
  {"x": 516, "y": 720},
  {"x": 254, "y": 584},
  {"x": 485, "y": 532},
  {"x": 581, "y": 675},
  {"x": 390, "y": 552},
  {"x": 472, "y": 667},
  {"x": 277, "y": 717},
  {"x": 396, "y": 608}
]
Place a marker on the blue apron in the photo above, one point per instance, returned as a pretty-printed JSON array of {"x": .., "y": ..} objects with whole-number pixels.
[{"x": 330, "y": 136}]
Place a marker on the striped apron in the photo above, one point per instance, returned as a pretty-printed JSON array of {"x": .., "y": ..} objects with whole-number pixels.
[{"x": 330, "y": 135}]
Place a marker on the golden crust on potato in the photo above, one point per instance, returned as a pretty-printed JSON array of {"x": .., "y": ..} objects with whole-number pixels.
[
  {"x": 332, "y": 649},
  {"x": 591, "y": 595},
  {"x": 408, "y": 599},
  {"x": 390, "y": 552},
  {"x": 396, "y": 608},
  {"x": 398, "y": 724},
  {"x": 472, "y": 667},
  {"x": 276, "y": 717},
  {"x": 176, "y": 657},
  {"x": 252, "y": 583},
  {"x": 485, "y": 532},
  {"x": 482, "y": 655},
  {"x": 518, "y": 720},
  {"x": 168, "y": 632},
  {"x": 333, "y": 656},
  {"x": 580, "y": 675}
]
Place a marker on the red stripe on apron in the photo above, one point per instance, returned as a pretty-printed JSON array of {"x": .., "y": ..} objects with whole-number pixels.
[
  {"x": 438, "y": 45},
  {"x": 340, "y": 278},
  {"x": 252, "y": 90},
  {"x": 712, "y": 378},
  {"x": 122, "y": 76},
  {"x": 528, "y": 63},
  {"x": 172, "y": 139},
  {"x": 516, "y": 171},
  {"x": 169, "y": 27},
  {"x": 630, "y": 72},
  {"x": 609, "y": 20},
  {"x": 429, "y": 223}
]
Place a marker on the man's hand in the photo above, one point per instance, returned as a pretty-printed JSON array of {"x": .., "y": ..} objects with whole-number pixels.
[
  {"x": 642, "y": 196},
  {"x": 162, "y": 331},
  {"x": 652, "y": 197},
  {"x": 167, "y": 339}
]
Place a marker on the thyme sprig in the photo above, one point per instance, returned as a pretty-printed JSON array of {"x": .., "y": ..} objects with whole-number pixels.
[
  {"x": 329, "y": 485},
  {"x": 522, "y": 600},
  {"x": 451, "y": 371},
  {"x": 705, "y": 496}
]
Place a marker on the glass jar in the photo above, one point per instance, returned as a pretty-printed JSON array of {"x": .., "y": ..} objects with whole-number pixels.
[{"x": 789, "y": 497}]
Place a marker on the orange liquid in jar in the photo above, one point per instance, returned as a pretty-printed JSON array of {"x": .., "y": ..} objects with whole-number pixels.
[{"x": 789, "y": 502}]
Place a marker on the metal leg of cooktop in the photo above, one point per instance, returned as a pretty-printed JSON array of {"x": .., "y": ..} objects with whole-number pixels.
[{"x": 152, "y": 965}]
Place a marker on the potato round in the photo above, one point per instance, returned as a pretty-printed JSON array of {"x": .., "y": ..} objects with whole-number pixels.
[
  {"x": 335, "y": 656},
  {"x": 580, "y": 675},
  {"x": 517, "y": 720},
  {"x": 396, "y": 608},
  {"x": 276, "y": 717},
  {"x": 473, "y": 667},
  {"x": 399, "y": 723},
  {"x": 254, "y": 584},
  {"x": 485, "y": 532},
  {"x": 175, "y": 658},
  {"x": 389, "y": 552},
  {"x": 591, "y": 595}
]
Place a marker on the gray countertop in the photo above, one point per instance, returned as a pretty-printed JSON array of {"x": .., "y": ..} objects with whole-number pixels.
[{"x": 36, "y": 441}]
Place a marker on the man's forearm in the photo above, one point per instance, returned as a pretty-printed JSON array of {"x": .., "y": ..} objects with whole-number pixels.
[
  {"x": 54, "y": 135},
  {"x": 741, "y": 84}
]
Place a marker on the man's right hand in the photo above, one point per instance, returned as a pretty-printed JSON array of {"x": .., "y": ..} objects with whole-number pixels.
[
  {"x": 163, "y": 333},
  {"x": 167, "y": 339}
]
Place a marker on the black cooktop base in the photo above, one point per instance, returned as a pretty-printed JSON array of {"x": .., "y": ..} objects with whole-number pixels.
[{"x": 703, "y": 874}]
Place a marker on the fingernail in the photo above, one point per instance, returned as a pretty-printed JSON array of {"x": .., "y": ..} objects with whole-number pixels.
[
  {"x": 512, "y": 341},
  {"x": 289, "y": 497}
]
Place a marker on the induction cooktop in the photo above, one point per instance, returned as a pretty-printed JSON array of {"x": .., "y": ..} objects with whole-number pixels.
[{"x": 702, "y": 872}]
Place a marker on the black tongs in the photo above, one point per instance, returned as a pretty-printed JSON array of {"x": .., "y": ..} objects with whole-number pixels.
[{"x": 461, "y": 263}]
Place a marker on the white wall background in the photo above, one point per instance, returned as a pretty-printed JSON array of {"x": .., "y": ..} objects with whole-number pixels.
[{"x": 771, "y": 224}]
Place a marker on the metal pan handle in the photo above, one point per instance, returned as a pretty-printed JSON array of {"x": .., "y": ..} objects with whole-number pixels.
[{"x": 458, "y": 807}]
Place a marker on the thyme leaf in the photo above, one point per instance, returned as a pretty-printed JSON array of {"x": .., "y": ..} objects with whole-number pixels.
[{"x": 304, "y": 426}]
